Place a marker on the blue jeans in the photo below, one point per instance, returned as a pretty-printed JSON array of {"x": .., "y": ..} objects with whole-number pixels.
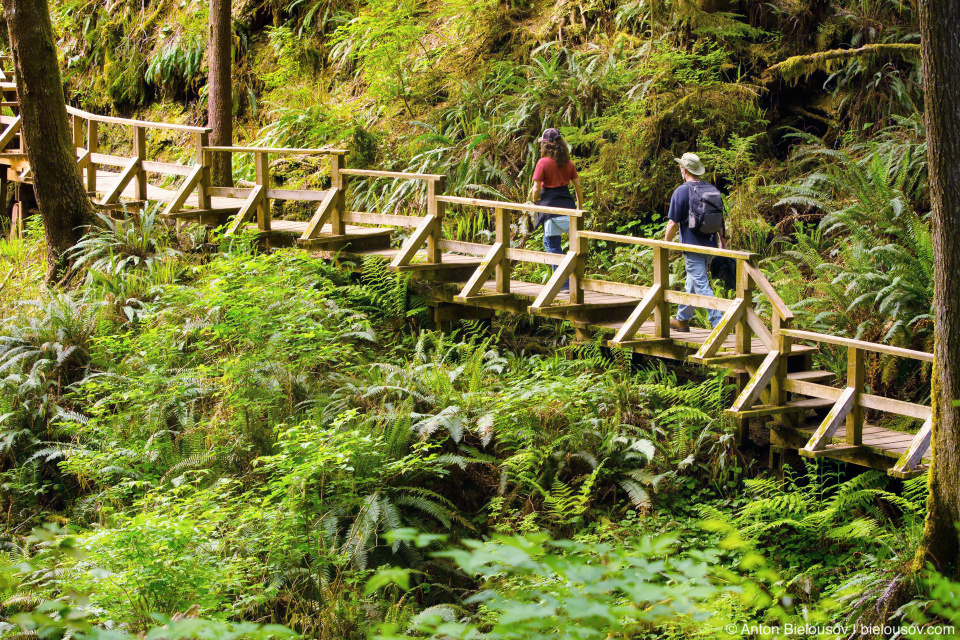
[
  {"x": 698, "y": 281},
  {"x": 554, "y": 244}
]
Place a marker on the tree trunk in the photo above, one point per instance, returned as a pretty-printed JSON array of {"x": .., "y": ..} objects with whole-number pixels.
[
  {"x": 940, "y": 48},
  {"x": 220, "y": 91},
  {"x": 64, "y": 204}
]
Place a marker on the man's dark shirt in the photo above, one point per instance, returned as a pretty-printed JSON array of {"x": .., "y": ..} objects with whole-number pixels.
[{"x": 680, "y": 213}]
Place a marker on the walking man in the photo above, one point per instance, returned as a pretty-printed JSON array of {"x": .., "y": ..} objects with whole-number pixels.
[{"x": 697, "y": 264}]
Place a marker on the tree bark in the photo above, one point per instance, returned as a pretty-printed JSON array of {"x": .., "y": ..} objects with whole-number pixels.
[
  {"x": 220, "y": 91},
  {"x": 61, "y": 196},
  {"x": 940, "y": 50}
]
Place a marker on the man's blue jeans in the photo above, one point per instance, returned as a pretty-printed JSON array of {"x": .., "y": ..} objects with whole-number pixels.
[{"x": 698, "y": 281}]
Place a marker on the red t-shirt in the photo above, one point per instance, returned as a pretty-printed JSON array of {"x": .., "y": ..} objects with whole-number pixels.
[{"x": 551, "y": 175}]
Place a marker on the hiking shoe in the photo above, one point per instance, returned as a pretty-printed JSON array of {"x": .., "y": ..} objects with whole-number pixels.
[{"x": 683, "y": 326}]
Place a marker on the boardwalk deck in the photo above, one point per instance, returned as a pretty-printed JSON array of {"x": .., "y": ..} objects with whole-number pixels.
[{"x": 804, "y": 408}]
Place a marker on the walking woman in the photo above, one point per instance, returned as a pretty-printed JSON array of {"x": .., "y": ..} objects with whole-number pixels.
[{"x": 551, "y": 180}]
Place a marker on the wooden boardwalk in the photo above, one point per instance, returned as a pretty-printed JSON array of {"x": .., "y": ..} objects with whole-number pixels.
[{"x": 780, "y": 388}]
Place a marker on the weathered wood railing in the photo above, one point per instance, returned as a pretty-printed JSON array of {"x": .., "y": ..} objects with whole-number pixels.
[
  {"x": 852, "y": 400},
  {"x": 770, "y": 380},
  {"x": 135, "y": 167},
  {"x": 497, "y": 257},
  {"x": 258, "y": 197}
]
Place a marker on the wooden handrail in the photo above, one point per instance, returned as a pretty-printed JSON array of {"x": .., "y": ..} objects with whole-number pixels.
[
  {"x": 278, "y": 150},
  {"x": 923, "y": 356},
  {"x": 769, "y": 291},
  {"x": 369, "y": 173},
  {"x": 511, "y": 206},
  {"x": 146, "y": 124},
  {"x": 671, "y": 246}
]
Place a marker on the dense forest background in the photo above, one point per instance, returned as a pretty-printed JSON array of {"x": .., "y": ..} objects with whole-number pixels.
[{"x": 237, "y": 437}]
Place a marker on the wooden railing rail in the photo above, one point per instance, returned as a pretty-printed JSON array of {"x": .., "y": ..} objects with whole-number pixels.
[
  {"x": 739, "y": 316},
  {"x": 144, "y": 124},
  {"x": 851, "y": 400},
  {"x": 823, "y": 338},
  {"x": 278, "y": 150},
  {"x": 511, "y": 206}
]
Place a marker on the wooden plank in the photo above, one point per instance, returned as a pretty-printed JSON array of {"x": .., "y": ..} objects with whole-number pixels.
[
  {"x": 279, "y": 150},
  {"x": 297, "y": 195},
  {"x": 615, "y": 288},
  {"x": 560, "y": 275},
  {"x": 767, "y": 289},
  {"x": 519, "y": 255},
  {"x": 140, "y": 151},
  {"x": 407, "y": 222},
  {"x": 838, "y": 414},
  {"x": 397, "y": 175},
  {"x": 110, "y": 161},
  {"x": 670, "y": 246},
  {"x": 125, "y": 177},
  {"x": 758, "y": 383},
  {"x": 898, "y": 407},
  {"x": 722, "y": 330},
  {"x": 859, "y": 344},
  {"x": 261, "y": 163},
  {"x": 415, "y": 241},
  {"x": 320, "y": 217},
  {"x": 483, "y": 272},
  {"x": 759, "y": 328},
  {"x": 856, "y": 374},
  {"x": 639, "y": 315},
  {"x": 200, "y": 141},
  {"x": 135, "y": 123},
  {"x": 168, "y": 168},
  {"x": 511, "y": 206},
  {"x": 93, "y": 143},
  {"x": 661, "y": 276},
  {"x": 469, "y": 248},
  {"x": 697, "y": 300},
  {"x": 229, "y": 192},
  {"x": 438, "y": 210},
  {"x": 812, "y": 389},
  {"x": 536, "y": 257},
  {"x": 183, "y": 192},
  {"x": 914, "y": 454},
  {"x": 502, "y": 271},
  {"x": 253, "y": 201}
]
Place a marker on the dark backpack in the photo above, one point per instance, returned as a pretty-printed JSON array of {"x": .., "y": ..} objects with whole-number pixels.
[{"x": 706, "y": 208}]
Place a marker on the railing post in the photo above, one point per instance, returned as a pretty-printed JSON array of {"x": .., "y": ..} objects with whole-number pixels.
[
  {"x": 262, "y": 163},
  {"x": 744, "y": 336},
  {"x": 140, "y": 151},
  {"x": 93, "y": 144},
  {"x": 502, "y": 221},
  {"x": 661, "y": 276},
  {"x": 437, "y": 209},
  {"x": 77, "y": 131},
  {"x": 578, "y": 246},
  {"x": 856, "y": 373},
  {"x": 202, "y": 142},
  {"x": 338, "y": 181},
  {"x": 783, "y": 344}
]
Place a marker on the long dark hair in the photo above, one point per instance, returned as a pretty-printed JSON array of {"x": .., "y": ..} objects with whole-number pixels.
[{"x": 556, "y": 149}]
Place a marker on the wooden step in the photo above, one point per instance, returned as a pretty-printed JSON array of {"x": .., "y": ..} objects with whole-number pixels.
[{"x": 811, "y": 376}]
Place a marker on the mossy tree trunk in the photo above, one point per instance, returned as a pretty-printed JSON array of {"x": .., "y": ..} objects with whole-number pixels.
[
  {"x": 220, "y": 90},
  {"x": 58, "y": 186},
  {"x": 940, "y": 49}
]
